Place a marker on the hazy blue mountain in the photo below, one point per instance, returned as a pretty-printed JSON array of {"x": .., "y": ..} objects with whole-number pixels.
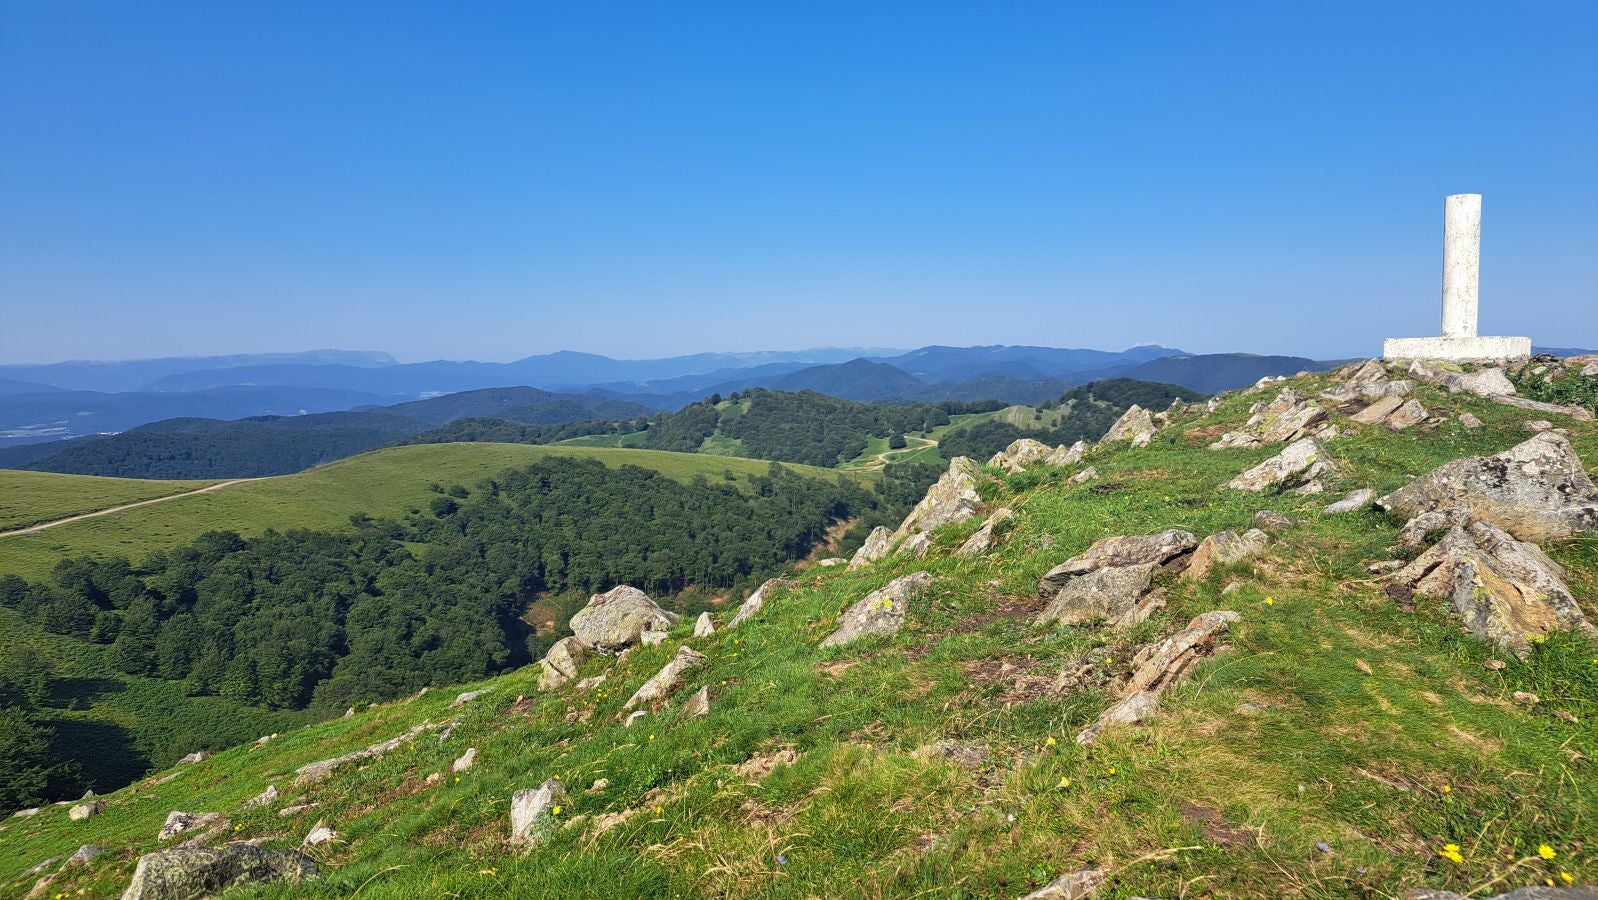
[
  {"x": 134, "y": 374},
  {"x": 939, "y": 364},
  {"x": 1212, "y": 373},
  {"x": 1563, "y": 351},
  {"x": 58, "y": 414},
  {"x": 12, "y": 386}
]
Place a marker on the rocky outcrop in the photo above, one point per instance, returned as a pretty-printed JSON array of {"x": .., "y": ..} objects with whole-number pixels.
[
  {"x": 1367, "y": 381},
  {"x": 704, "y": 626},
  {"x": 264, "y": 798},
  {"x": 1066, "y": 456},
  {"x": 1489, "y": 382},
  {"x": 877, "y": 546},
  {"x": 757, "y": 600},
  {"x": 1395, "y": 413},
  {"x": 1223, "y": 549},
  {"x": 1356, "y": 500},
  {"x": 983, "y": 539},
  {"x": 1135, "y": 425},
  {"x": 882, "y": 613},
  {"x": 189, "y": 873},
  {"x": 532, "y": 812},
  {"x": 953, "y": 499},
  {"x": 179, "y": 822},
  {"x": 311, "y": 773},
  {"x": 561, "y": 663},
  {"x": 1122, "y": 550},
  {"x": 1504, "y": 590},
  {"x": 667, "y": 679},
  {"x": 1535, "y": 490},
  {"x": 1299, "y": 467},
  {"x": 1021, "y": 453},
  {"x": 1286, "y": 418},
  {"x": 1108, "y": 594},
  {"x": 192, "y": 758},
  {"x": 1072, "y": 886},
  {"x": 1156, "y": 668},
  {"x": 618, "y": 618}
]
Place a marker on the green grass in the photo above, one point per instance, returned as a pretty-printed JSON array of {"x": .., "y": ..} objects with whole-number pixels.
[
  {"x": 380, "y": 483},
  {"x": 28, "y": 498},
  {"x": 1335, "y": 719}
]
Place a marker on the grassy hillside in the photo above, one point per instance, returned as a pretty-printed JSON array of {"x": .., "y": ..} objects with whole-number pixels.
[
  {"x": 28, "y": 498},
  {"x": 1336, "y": 721},
  {"x": 380, "y": 483}
]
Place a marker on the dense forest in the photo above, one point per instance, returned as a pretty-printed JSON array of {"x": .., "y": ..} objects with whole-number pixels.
[
  {"x": 804, "y": 427},
  {"x": 1092, "y": 409}
]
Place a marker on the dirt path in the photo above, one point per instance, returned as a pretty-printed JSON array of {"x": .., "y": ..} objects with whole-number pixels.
[
  {"x": 882, "y": 459},
  {"x": 126, "y": 506}
]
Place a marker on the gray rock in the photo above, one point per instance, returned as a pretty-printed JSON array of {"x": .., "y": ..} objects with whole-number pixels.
[
  {"x": 1286, "y": 418},
  {"x": 653, "y": 638},
  {"x": 1575, "y": 412},
  {"x": 1273, "y": 522},
  {"x": 953, "y": 498},
  {"x": 1407, "y": 415},
  {"x": 264, "y": 798},
  {"x": 1131, "y": 710},
  {"x": 1105, "y": 594},
  {"x": 877, "y": 546},
  {"x": 633, "y": 717},
  {"x": 85, "y": 855},
  {"x": 465, "y": 761},
  {"x": 1536, "y": 426},
  {"x": 1120, "y": 550},
  {"x": 1530, "y": 892},
  {"x": 561, "y": 663},
  {"x": 1066, "y": 456},
  {"x": 1156, "y": 668},
  {"x": 85, "y": 810},
  {"x": 466, "y": 697},
  {"x": 918, "y": 546},
  {"x": 667, "y": 679},
  {"x": 1021, "y": 453},
  {"x": 831, "y": 561},
  {"x": 1506, "y": 591},
  {"x": 190, "y": 873},
  {"x": 1135, "y": 425},
  {"x": 1074, "y": 886},
  {"x": 319, "y": 834},
  {"x": 311, "y": 773},
  {"x": 704, "y": 626},
  {"x": 1223, "y": 549},
  {"x": 698, "y": 704},
  {"x": 1299, "y": 467},
  {"x": 289, "y": 812},
  {"x": 757, "y": 600},
  {"x": 1535, "y": 490},
  {"x": 179, "y": 822},
  {"x": 192, "y": 758},
  {"x": 532, "y": 819},
  {"x": 1356, "y": 500},
  {"x": 982, "y": 541},
  {"x": 1489, "y": 382},
  {"x": 1084, "y": 476},
  {"x": 618, "y": 618},
  {"x": 881, "y": 613},
  {"x": 1469, "y": 421}
]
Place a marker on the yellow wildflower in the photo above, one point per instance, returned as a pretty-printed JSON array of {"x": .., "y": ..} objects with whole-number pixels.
[
  {"x": 1447, "y": 789},
  {"x": 1051, "y": 741},
  {"x": 1451, "y": 853},
  {"x": 1065, "y": 782},
  {"x": 1566, "y": 877},
  {"x": 1546, "y": 852},
  {"x": 651, "y": 737},
  {"x": 1270, "y": 601},
  {"x": 457, "y": 779},
  {"x": 1112, "y": 770},
  {"x": 659, "y": 810},
  {"x": 555, "y": 811}
]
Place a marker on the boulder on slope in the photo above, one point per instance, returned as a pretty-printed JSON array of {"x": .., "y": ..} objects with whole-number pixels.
[
  {"x": 618, "y": 618},
  {"x": 877, "y": 546},
  {"x": 953, "y": 498},
  {"x": 189, "y": 873},
  {"x": 1120, "y": 550},
  {"x": 881, "y": 613},
  {"x": 1299, "y": 467},
  {"x": 1135, "y": 425},
  {"x": 757, "y": 601}
]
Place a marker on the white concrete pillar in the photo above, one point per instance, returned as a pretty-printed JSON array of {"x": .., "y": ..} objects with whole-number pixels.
[{"x": 1461, "y": 263}]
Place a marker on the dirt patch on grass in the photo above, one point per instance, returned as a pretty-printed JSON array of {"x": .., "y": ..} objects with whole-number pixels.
[
  {"x": 1021, "y": 680},
  {"x": 761, "y": 764},
  {"x": 758, "y": 813},
  {"x": 1216, "y": 829},
  {"x": 1475, "y": 740},
  {"x": 835, "y": 669},
  {"x": 1009, "y": 608}
]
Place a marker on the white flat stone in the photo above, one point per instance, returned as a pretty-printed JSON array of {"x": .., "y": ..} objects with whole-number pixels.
[{"x": 1458, "y": 349}]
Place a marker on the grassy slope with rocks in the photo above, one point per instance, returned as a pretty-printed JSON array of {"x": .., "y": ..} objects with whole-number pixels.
[
  {"x": 1336, "y": 719},
  {"x": 379, "y": 483}
]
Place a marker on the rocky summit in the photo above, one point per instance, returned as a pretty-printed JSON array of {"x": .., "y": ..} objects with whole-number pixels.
[{"x": 1330, "y": 636}]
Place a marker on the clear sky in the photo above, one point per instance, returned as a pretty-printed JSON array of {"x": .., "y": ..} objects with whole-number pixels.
[{"x": 491, "y": 180}]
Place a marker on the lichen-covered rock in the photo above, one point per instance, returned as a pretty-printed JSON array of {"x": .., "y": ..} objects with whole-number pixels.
[
  {"x": 1224, "y": 548},
  {"x": 1504, "y": 590},
  {"x": 1286, "y": 418},
  {"x": 85, "y": 810},
  {"x": 1021, "y": 453},
  {"x": 1105, "y": 594},
  {"x": 561, "y": 663},
  {"x": 1488, "y": 382},
  {"x": 704, "y": 626},
  {"x": 1356, "y": 500},
  {"x": 85, "y": 855},
  {"x": 1135, "y": 425},
  {"x": 1470, "y": 422},
  {"x": 1072, "y": 886},
  {"x": 1133, "y": 710},
  {"x": 311, "y": 773},
  {"x": 698, "y": 704},
  {"x": 982, "y": 540},
  {"x": 879, "y": 543},
  {"x": 465, "y": 760},
  {"x": 179, "y": 822},
  {"x": 189, "y": 873},
  {"x": 532, "y": 816},
  {"x": 953, "y": 498},
  {"x": 1299, "y": 467},
  {"x": 666, "y": 680},
  {"x": 1066, "y": 456},
  {"x": 1156, "y": 668},
  {"x": 264, "y": 798},
  {"x": 1120, "y": 550},
  {"x": 918, "y": 546},
  {"x": 618, "y": 618},
  {"x": 465, "y": 697},
  {"x": 1535, "y": 490},
  {"x": 757, "y": 600},
  {"x": 881, "y": 613},
  {"x": 1084, "y": 476}
]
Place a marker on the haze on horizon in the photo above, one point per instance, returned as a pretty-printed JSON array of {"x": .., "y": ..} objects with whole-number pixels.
[{"x": 471, "y": 182}]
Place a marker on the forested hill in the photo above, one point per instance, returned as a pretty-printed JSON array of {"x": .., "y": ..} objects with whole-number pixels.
[
  {"x": 277, "y": 445},
  {"x": 476, "y": 581}
]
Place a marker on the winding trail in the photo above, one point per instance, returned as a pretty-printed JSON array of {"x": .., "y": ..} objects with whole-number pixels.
[{"x": 31, "y": 529}]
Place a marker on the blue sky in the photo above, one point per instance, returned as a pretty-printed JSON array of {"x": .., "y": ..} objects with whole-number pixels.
[{"x": 486, "y": 181}]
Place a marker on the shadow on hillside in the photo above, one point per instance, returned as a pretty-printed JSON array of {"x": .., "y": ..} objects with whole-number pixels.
[
  {"x": 81, "y": 693},
  {"x": 104, "y": 753}
]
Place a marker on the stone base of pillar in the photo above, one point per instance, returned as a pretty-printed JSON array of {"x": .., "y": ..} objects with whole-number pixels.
[{"x": 1458, "y": 349}]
